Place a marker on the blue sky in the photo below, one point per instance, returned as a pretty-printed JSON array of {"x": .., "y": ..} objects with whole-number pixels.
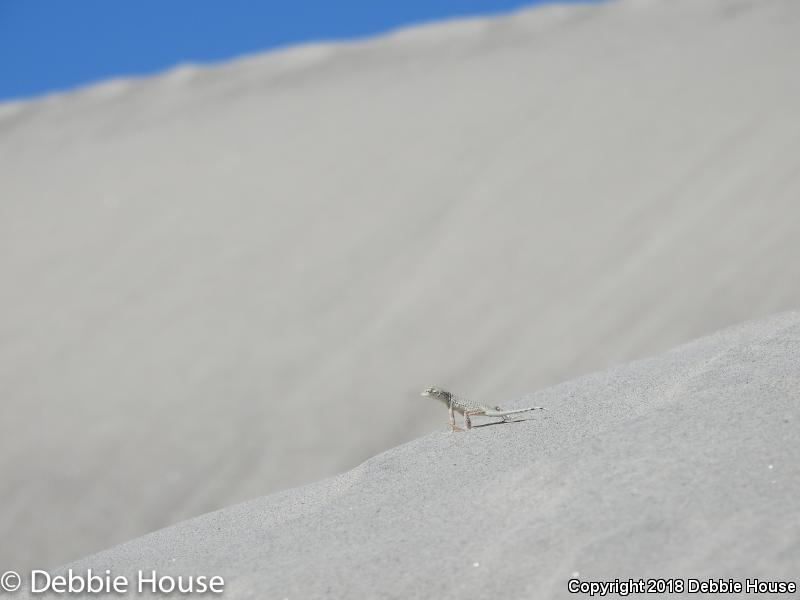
[{"x": 52, "y": 45}]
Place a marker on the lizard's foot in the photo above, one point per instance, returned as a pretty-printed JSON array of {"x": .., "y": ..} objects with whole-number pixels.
[{"x": 455, "y": 427}]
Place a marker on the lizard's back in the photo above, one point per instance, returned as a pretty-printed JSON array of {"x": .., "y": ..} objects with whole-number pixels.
[{"x": 462, "y": 404}]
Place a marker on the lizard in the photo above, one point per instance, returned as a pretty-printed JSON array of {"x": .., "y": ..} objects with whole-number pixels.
[{"x": 470, "y": 409}]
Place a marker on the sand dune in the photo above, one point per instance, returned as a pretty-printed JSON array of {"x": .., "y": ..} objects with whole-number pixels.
[
  {"x": 685, "y": 465},
  {"x": 223, "y": 282}
]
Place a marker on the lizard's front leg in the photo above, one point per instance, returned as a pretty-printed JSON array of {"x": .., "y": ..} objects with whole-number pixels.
[
  {"x": 452, "y": 417},
  {"x": 467, "y": 420}
]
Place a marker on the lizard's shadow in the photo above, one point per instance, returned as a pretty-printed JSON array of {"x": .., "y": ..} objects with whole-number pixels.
[{"x": 501, "y": 423}]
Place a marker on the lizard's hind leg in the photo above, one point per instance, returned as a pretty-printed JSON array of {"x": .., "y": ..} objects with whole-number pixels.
[{"x": 467, "y": 420}]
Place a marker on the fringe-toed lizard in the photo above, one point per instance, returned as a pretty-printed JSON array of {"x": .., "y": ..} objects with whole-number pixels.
[{"x": 469, "y": 409}]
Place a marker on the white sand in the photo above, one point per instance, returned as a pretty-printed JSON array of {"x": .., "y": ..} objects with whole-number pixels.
[
  {"x": 681, "y": 466},
  {"x": 223, "y": 282}
]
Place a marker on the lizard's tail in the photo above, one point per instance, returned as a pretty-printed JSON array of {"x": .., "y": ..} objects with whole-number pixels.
[{"x": 524, "y": 410}]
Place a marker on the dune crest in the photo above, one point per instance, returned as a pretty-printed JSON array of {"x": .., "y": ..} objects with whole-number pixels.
[{"x": 684, "y": 465}]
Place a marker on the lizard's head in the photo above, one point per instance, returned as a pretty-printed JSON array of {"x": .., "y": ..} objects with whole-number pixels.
[{"x": 434, "y": 392}]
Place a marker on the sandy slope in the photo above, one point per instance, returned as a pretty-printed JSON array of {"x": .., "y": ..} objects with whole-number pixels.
[
  {"x": 223, "y": 282},
  {"x": 685, "y": 465}
]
